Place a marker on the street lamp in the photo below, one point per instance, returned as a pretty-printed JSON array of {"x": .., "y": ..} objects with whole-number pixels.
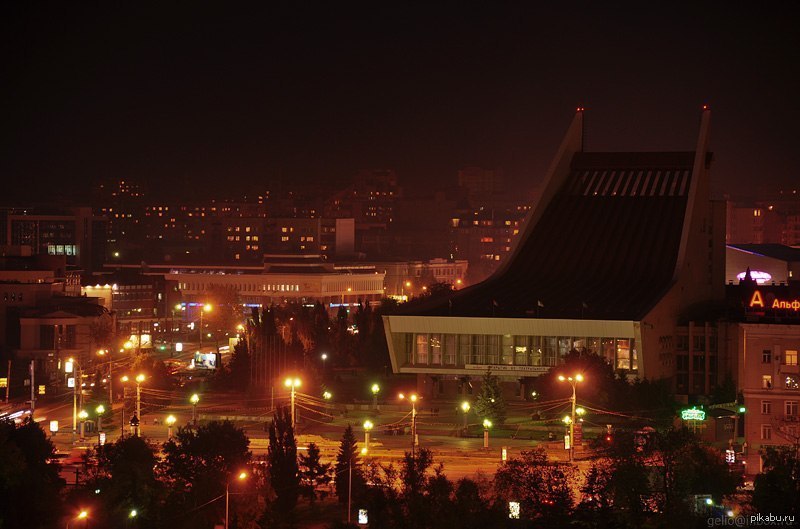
[
  {"x": 83, "y": 515},
  {"x": 72, "y": 366},
  {"x": 170, "y": 421},
  {"x": 194, "y": 399},
  {"x": 83, "y": 416},
  {"x": 141, "y": 377},
  {"x": 486, "y": 425},
  {"x": 414, "y": 441},
  {"x": 573, "y": 381},
  {"x": 465, "y": 407},
  {"x": 375, "y": 390},
  {"x": 241, "y": 477},
  {"x": 100, "y": 410},
  {"x": 367, "y": 427},
  {"x": 206, "y": 308},
  {"x": 292, "y": 383},
  {"x": 327, "y": 395}
]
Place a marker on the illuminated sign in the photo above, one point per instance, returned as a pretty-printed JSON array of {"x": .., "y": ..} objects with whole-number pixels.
[
  {"x": 730, "y": 456},
  {"x": 513, "y": 510},
  {"x": 42, "y": 389},
  {"x": 53, "y": 426},
  {"x": 757, "y": 301},
  {"x": 758, "y": 276},
  {"x": 496, "y": 368},
  {"x": 693, "y": 415},
  {"x": 363, "y": 518},
  {"x": 3, "y": 382}
]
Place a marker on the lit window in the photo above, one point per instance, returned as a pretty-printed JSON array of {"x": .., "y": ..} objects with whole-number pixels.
[
  {"x": 792, "y": 382},
  {"x": 790, "y": 358},
  {"x": 766, "y": 381}
]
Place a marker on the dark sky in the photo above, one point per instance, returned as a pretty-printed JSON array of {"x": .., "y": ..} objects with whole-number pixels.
[{"x": 227, "y": 97}]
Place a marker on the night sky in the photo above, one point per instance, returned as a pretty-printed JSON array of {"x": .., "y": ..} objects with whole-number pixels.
[{"x": 227, "y": 98}]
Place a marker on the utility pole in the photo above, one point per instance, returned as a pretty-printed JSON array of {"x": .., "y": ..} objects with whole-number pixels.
[
  {"x": 33, "y": 387},
  {"x": 349, "y": 487},
  {"x": 8, "y": 380}
]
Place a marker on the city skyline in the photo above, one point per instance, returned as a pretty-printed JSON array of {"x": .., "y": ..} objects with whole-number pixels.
[{"x": 224, "y": 101}]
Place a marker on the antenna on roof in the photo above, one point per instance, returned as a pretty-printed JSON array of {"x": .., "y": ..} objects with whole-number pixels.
[{"x": 580, "y": 110}]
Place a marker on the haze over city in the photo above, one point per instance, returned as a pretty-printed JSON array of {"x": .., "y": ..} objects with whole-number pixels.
[{"x": 399, "y": 266}]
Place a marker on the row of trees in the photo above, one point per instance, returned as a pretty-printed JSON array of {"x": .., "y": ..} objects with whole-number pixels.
[{"x": 640, "y": 480}]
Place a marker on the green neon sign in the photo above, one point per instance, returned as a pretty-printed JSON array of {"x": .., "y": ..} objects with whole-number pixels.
[{"x": 693, "y": 415}]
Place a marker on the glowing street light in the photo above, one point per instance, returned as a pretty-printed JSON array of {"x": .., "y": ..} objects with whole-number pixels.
[
  {"x": 327, "y": 395},
  {"x": 100, "y": 410},
  {"x": 293, "y": 384},
  {"x": 367, "y": 427},
  {"x": 82, "y": 415},
  {"x": 465, "y": 407},
  {"x": 206, "y": 308},
  {"x": 141, "y": 377},
  {"x": 194, "y": 399},
  {"x": 573, "y": 381},
  {"x": 486, "y": 425},
  {"x": 170, "y": 422},
  {"x": 241, "y": 477},
  {"x": 414, "y": 440},
  {"x": 375, "y": 390},
  {"x": 133, "y": 514},
  {"x": 324, "y": 357}
]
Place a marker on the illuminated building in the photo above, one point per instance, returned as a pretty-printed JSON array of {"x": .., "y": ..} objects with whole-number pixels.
[{"x": 610, "y": 260}]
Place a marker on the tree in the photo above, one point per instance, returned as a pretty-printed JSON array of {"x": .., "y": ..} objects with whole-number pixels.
[
  {"x": 30, "y": 486},
  {"x": 127, "y": 479},
  {"x": 348, "y": 469},
  {"x": 313, "y": 472},
  {"x": 490, "y": 403},
  {"x": 543, "y": 488},
  {"x": 282, "y": 462},
  {"x": 777, "y": 488},
  {"x": 196, "y": 466}
]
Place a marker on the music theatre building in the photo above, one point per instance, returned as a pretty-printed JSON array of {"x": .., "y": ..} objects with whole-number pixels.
[{"x": 615, "y": 257}]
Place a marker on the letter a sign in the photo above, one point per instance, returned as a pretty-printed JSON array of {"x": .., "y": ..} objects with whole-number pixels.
[{"x": 756, "y": 300}]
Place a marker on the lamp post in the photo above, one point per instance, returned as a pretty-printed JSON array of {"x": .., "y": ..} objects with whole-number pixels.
[
  {"x": 242, "y": 476},
  {"x": 739, "y": 411},
  {"x": 486, "y": 425},
  {"x": 367, "y": 427},
  {"x": 72, "y": 366},
  {"x": 206, "y": 308},
  {"x": 194, "y": 399},
  {"x": 82, "y": 415},
  {"x": 104, "y": 352},
  {"x": 293, "y": 384},
  {"x": 573, "y": 381},
  {"x": 100, "y": 410},
  {"x": 375, "y": 390},
  {"x": 141, "y": 377},
  {"x": 414, "y": 441},
  {"x": 465, "y": 407},
  {"x": 170, "y": 422},
  {"x": 323, "y": 356}
]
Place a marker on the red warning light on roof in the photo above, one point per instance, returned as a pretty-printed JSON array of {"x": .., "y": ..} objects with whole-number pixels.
[
  {"x": 705, "y": 107},
  {"x": 579, "y": 109}
]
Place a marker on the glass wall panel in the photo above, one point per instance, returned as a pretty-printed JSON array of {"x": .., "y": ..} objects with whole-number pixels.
[
  {"x": 478, "y": 349},
  {"x": 450, "y": 349},
  {"x": 563, "y": 346},
  {"x": 623, "y": 354},
  {"x": 465, "y": 349},
  {"x": 422, "y": 349},
  {"x": 521, "y": 350},
  {"x": 607, "y": 350},
  {"x": 634, "y": 356},
  {"x": 507, "y": 350},
  {"x": 436, "y": 349},
  {"x": 537, "y": 354},
  {"x": 549, "y": 350},
  {"x": 493, "y": 349},
  {"x": 593, "y": 345}
]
